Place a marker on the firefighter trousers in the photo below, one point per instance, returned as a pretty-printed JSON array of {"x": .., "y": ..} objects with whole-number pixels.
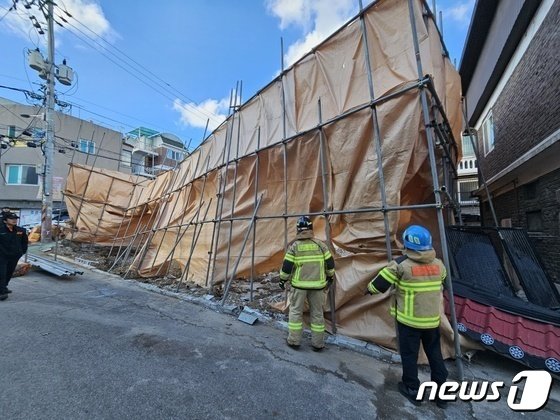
[
  {"x": 315, "y": 299},
  {"x": 409, "y": 345}
]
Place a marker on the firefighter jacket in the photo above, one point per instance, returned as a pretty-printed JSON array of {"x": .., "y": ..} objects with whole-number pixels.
[
  {"x": 418, "y": 278},
  {"x": 307, "y": 263},
  {"x": 13, "y": 243}
]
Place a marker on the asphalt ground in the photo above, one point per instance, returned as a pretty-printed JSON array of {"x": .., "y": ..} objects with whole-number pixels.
[{"x": 99, "y": 347}]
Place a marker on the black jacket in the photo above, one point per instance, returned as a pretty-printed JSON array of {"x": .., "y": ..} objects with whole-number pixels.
[{"x": 13, "y": 244}]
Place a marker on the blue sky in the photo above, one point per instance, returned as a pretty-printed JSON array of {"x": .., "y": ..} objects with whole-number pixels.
[{"x": 171, "y": 65}]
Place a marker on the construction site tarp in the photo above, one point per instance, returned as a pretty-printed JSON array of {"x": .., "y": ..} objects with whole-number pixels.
[{"x": 340, "y": 136}]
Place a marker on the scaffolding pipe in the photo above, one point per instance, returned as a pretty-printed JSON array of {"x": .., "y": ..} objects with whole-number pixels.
[
  {"x": 377, "y": 139},
  {"x": 183, "y": 186},
  {"x": 324, "y": 172},
  {"x": 220, "y": 200},
  {"x": 284, "y": 151},
  {"x": 125, "y": 211},
  {"x": 179, "y": 236},
  {"x": 134, "y": 236},
  {"x": 87, "y": 183},
  {"x": 228, "y": 284},
  {"x": 196, "y": 235},
  {"x": 433, "y": 167},
  {"x": 234, "y": 182},
  {"x": 102, "y": 212},
  {"x": 257, "y": 160},
  {"x": 480, "y": 171},
  {"x": 160, "y": 211}
]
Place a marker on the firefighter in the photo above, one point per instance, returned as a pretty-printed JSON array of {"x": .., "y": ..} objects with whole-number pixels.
[
  {"x": 13, "y": 244},
  {"x": 417, "y": 277},
  {"x": 309, "y": 266}
]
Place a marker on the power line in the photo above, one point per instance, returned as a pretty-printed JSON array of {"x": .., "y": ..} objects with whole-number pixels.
[
  {"x": 163, "y": 88},
  {"x": 162, "y": 83}
]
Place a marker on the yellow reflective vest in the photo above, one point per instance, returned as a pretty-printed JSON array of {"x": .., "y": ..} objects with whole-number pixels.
[
  {"x": 307, "y": 263},
  {"x": 418, "y": 279}
]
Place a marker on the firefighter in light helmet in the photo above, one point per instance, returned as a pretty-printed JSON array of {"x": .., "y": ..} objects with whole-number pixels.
[
  {"x": 417, "y": 277},
  {"x": 309, "y": 267}
]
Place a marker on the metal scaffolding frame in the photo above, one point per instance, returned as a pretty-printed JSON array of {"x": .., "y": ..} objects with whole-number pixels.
[{"x": 439, "y": 139}]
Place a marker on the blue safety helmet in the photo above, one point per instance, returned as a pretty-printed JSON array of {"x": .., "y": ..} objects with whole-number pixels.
[
  {"x": 304, "y": 223},
  {"x": 417, "y": 238}
]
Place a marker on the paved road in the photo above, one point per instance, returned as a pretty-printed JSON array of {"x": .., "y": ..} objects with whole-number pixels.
[{"x": 96, "y": 347}]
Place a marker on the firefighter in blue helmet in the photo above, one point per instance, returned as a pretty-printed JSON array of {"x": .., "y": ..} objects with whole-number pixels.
[
  {"x": 309, "y": 266},
  {"x": 417, "y": 277}
]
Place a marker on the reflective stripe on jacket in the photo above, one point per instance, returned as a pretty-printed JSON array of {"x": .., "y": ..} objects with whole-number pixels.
[
  {"x": 418, "y": 280},
  {"x": 307, "y": 263}
]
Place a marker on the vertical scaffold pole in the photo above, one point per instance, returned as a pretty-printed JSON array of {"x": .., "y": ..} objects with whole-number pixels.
[
  {"x": 253, "y": 218},
  {"x": 251, "y": 291},
  {"x": 234, "y": 176},
  {"x": 324, "y": 172},
  {"x": 376, "y": 138},
  {"x": 221, "y": 196},
  {"x": 439, "y": 210},
  {"x": 284, "y": 146}
]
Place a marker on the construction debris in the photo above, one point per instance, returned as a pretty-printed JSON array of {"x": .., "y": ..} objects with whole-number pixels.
[{"x": 55, "y": 267}]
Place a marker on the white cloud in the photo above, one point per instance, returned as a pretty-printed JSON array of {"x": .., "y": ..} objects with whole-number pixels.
[
  {"x": 290, "y": 11},
  {"x": 196, "y": 115},
  {"x": 460, "y": 13},
  {"x": 317, "y": 18},
  {"x": 85, "y": 14}
]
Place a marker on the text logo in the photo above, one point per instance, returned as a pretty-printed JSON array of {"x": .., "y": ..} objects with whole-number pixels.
[{"x": 533, "y": 397}]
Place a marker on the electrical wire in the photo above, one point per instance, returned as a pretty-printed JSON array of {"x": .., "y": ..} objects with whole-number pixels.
[
  {"x": 162, "y": 90},
  {"x": 162, "y": 83}
]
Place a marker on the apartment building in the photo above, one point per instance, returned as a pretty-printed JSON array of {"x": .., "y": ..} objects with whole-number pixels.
[{"x": 152, "y": 152}]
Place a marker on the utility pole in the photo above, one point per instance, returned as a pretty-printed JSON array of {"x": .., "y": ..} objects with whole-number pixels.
[
  {"x": 50, "y": 71},
  {"x": 47, "y": 202}
]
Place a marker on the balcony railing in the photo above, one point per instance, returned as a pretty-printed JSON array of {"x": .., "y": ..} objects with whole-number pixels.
[{"x": 143, "y": 171}]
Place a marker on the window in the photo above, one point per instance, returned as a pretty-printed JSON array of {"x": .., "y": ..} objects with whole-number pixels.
[
  {"x": 21, "y": 175},
  {"x": 534, "y": 221},
  {"x": 466, "y": 187},
  {"x": 172, "y": 154},
  {"x": 487, "y": 129},
  {"x": 87, "y": 146},
  {"x": 468, "y": 149},
  {"x": 126, "y": 157},
  {"x": 531, "y": 191}
]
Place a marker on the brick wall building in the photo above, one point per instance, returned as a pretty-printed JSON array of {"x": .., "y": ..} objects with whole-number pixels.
[{"x": 512, "y": 86}]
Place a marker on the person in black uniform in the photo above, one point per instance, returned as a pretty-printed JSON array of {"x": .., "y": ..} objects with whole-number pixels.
[{"x": 13, "y": 244}]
